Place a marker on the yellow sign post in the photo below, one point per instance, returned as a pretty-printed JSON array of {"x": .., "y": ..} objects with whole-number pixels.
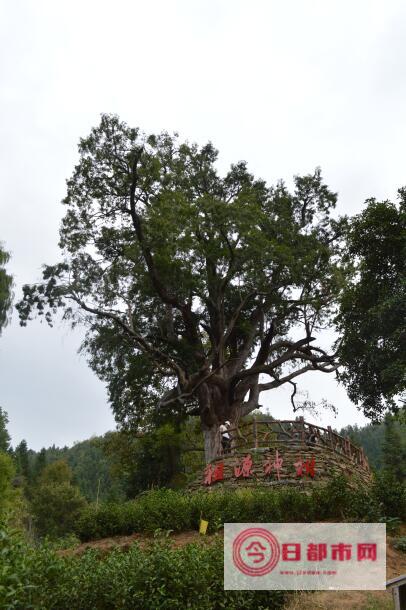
[{"x": 203, "y": 526}]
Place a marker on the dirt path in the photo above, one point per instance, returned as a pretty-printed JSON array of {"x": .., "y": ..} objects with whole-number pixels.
[{"x": 105, "y": 545}]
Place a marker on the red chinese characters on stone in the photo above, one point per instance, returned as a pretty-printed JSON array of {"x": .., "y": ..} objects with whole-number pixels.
[
  {"x": 310, "y": 467},
  {"x": 307, "y": 467},
  {"x": 269, "y": 465},
  {"x": 208, "y": 475},
  {"x": 245, "y": 469},
  {"x": 218, "y": 474},
  {"x": 213, "y": 473}
]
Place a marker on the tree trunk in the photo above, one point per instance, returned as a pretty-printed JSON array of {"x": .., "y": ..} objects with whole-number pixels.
[
  {"x": 215, "y": 409},
  {"x": 212, "y": 442}
]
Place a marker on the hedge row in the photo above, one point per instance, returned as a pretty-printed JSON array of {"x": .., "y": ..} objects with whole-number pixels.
[
  {"x": 157, "y": 578},
  {"x": 179, "y": 511}
]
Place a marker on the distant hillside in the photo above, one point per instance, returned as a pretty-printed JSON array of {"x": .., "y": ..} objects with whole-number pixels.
[
  {"x": 371, "y": 438},
  {"x": 95, "y": 470},
  {"x": 91, "y": 468}
]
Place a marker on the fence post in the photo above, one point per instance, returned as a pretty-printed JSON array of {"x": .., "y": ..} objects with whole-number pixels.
[
  {"x": 255, "y": 430},
  {"x": 330, "y": 436},
  {"x": 302, "y": 430}
]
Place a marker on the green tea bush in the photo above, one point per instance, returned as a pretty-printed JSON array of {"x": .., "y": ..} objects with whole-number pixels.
[
  {"x": 14, "y": 570},
  {"x": 159, "y": 577},
  {"x": 167, "y": 509},
  {"x": 390, "y": 495}
]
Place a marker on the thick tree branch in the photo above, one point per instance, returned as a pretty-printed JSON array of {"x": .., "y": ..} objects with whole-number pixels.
[
  {"x": 278, "y": 382},
  {"x": 184, "y": 308},
  {"x": 293, "y": 352},
  {"x": 235, "y": 317},
  {"x": 141, "y": 341},
  {"x": 192, "y": 385}
]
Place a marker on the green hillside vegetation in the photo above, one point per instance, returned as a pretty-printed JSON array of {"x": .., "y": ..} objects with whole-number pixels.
[
  {"x": 159, "y": 575},
  {"x": 373, "y": 439},
  {"x": 155, "y": 578},
  {"x": 90, "y": 468}
]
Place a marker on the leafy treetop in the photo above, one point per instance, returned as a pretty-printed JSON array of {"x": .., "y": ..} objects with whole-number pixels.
[
  {"x": 191, "y": 285},
  {"x": 372, "y": 319},
  {"x": 6, "y": 284}
]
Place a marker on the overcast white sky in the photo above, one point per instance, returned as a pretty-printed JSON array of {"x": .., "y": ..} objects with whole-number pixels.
[{"x": 287, "y": 86}]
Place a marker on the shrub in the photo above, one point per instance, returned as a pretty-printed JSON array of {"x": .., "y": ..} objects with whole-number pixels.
[
  {"x": 390, "y": 495},
  {"x": 55, "y": 502},
  {"x": 159, "y": 577},
  {"x": 6, "y": 475},
  {"x": 178, "y": 510},
  {"x": 56, "y": 507}
]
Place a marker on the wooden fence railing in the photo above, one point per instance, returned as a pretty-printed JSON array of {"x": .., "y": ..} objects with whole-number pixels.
[{"x": 260, "y": 433}]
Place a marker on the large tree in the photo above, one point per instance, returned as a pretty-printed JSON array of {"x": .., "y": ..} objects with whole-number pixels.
[
  {"x": 22, "y": 460},
  {"x": 372, "y": 319},
  {"x": 199, "y": 291}
]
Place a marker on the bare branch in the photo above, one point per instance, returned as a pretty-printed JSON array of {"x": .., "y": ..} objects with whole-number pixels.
[{"x": 190, "y": 392}]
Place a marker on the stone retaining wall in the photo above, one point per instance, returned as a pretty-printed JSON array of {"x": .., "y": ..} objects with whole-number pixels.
[{"x": 292, "y": 464}]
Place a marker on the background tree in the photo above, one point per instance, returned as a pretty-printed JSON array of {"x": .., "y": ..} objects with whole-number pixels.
[
  {"x": 39, "y": 464},
  {"x": 22, "y": 461},
  {"x": 6, "y": 284},
  {"x": 370, "y": 437},
  {"x": 372, "y": 318},
  {"x": 13, "y": 508},
  {"x": 89, "y": 466},
  {"x": 7, "y": 472},
  {"x": 4, "y": 435},
  {"x": 393, "y": 450},
  {"x": 55, "y": 501},
  {"x": 164, "y": 457},
  {"x": 90, "y": 469},
  {"x": 199, "y": 292}
]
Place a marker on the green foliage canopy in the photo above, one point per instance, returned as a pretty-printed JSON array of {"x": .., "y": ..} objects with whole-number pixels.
[
  {"x": 22, "y": 461},
  {"x": 4, "y": 435},
  {"x": 7, "y": 471},
  {"x": 163, "y": 457},
  {"x": 6, "y": 284},
  {"x": 55, "y": 502},
  {"x": 372, "y": 319},
  {"x": 394, "y": 449},
  {"x": 190, "y": 283}
]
